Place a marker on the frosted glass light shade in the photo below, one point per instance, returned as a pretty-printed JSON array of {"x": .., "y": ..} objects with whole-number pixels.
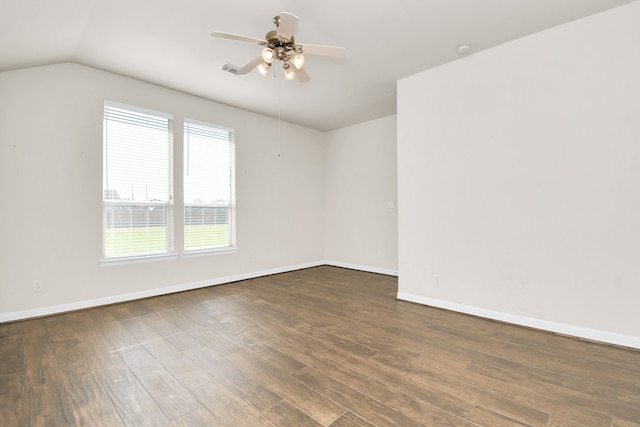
[
  {"x": 268, "y": 55},
  {"x": 297, "y": 60},
  {"x": 264, "y": 68},
  {"x": 289, "y": 72}
]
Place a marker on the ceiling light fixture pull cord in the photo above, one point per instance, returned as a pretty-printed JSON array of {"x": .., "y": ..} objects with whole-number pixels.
[{"x": 278, "y": 97}]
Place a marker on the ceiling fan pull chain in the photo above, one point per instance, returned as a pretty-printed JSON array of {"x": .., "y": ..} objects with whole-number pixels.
[{"x": 279, "y": 83}]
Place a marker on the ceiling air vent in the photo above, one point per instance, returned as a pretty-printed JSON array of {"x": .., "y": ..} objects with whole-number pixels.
[{"x": 230, "y": 68}]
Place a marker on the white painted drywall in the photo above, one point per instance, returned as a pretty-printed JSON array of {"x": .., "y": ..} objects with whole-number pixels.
[
  {"x": 519, "y": 177},
  {"x": 360, "y": 196},
  {"x": 51, "y": 186}
]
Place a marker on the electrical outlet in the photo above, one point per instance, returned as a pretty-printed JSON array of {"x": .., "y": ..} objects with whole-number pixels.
[
  {"x": 436, "y": 280},
  {"x": 37, "y": 285}
]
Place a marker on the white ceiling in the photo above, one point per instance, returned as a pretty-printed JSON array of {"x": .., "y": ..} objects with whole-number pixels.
[{"x": 168, "y": 42}]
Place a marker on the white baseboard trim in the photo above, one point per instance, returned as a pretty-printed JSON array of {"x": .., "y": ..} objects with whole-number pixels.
[
  {"x": 560, "y": 328},
  {"x": 386, "y": 271},
  {"x": 80, "y": 305}
]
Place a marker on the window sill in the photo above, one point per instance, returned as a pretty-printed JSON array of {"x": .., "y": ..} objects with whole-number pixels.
[
  {"x": 207, "y": 252},
  {"x": 137, "y": 260}
]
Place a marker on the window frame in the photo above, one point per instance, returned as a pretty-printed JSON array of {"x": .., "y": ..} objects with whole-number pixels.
[
  {"x": 230, "y": 206},
  {"x": 109, "y": 204}
]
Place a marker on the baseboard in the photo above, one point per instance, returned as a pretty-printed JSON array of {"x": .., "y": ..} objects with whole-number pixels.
[
  {"x": 80, "y": 305},
  {"x": 386, "y": 271},
  {"x": 559, "y": 328},
  {"x": 565, "y": 329}
]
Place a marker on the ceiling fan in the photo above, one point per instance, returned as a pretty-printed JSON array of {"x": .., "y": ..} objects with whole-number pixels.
[{"x": 280, "y": 45}]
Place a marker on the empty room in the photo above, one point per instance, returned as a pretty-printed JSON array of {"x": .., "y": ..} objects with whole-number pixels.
[{"x": 320, "y": 213}]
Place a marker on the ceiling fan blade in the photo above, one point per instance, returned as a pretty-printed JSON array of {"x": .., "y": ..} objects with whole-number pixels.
[
  {"x": 328, "y": 51},
  {"x": 238, "y": 37},
  {"x": 302, "y": 75},
  {"x": 288, "y": 25},
  {"x": 250, "y": 66}
]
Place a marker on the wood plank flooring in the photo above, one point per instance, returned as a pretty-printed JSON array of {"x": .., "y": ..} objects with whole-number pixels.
[{"x": 323, "y": 346}]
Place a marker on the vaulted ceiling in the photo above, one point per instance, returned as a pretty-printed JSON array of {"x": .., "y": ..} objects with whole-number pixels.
[{"x": 168, "y": 42}]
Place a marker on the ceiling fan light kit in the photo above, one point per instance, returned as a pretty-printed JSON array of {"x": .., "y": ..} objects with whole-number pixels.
[
  {"x": 289, "y": 72},
  {"x": 268, "y": 55},
  {"x": 264, "y": 68},
  {"x": 297, "y": 60},
  {"x": 280, "y": 45}
]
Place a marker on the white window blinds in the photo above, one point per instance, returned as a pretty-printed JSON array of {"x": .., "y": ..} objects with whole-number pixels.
[
  {"x": 136, "y": 182},
  {"x": 208, "y": 187}
]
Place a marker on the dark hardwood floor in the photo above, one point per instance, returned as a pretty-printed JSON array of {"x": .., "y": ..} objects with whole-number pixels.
[{"x": 318, "y": 347}]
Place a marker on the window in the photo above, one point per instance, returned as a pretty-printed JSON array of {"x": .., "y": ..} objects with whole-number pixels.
[
  {"x": 208, "y": 187},
  {"x": 137, "y": 182}
]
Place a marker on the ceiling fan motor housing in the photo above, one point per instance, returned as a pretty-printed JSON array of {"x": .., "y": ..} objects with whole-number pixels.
[{"x": 281, "y": 46}]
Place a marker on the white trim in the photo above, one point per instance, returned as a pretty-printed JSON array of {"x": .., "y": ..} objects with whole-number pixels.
[
  {"x": 137, "y": 109},
  {"x": 105, "y": 262},
  {"x": 207, "y": 124},
  {"x": 206, "y": 252},
  {"x": 576, "y": 331},
  {"x": 378, "y": 270},
  {"x": 545, "y": 325},
  {"x": 62, "y": 308}
]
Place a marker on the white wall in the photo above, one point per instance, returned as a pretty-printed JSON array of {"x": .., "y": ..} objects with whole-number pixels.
[
  {"x": 360, "y": 228},
  {"x": 51, "y": 192},
  {"x": 519, "y": 180}
]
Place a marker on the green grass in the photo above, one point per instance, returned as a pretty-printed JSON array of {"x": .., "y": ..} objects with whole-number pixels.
[
  {"x": 153, "y": 240},
  {"x": 205, "y": 236}
]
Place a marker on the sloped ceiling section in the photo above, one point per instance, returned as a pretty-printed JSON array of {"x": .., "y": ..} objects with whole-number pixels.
[{"x": 169, "y": 43}]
